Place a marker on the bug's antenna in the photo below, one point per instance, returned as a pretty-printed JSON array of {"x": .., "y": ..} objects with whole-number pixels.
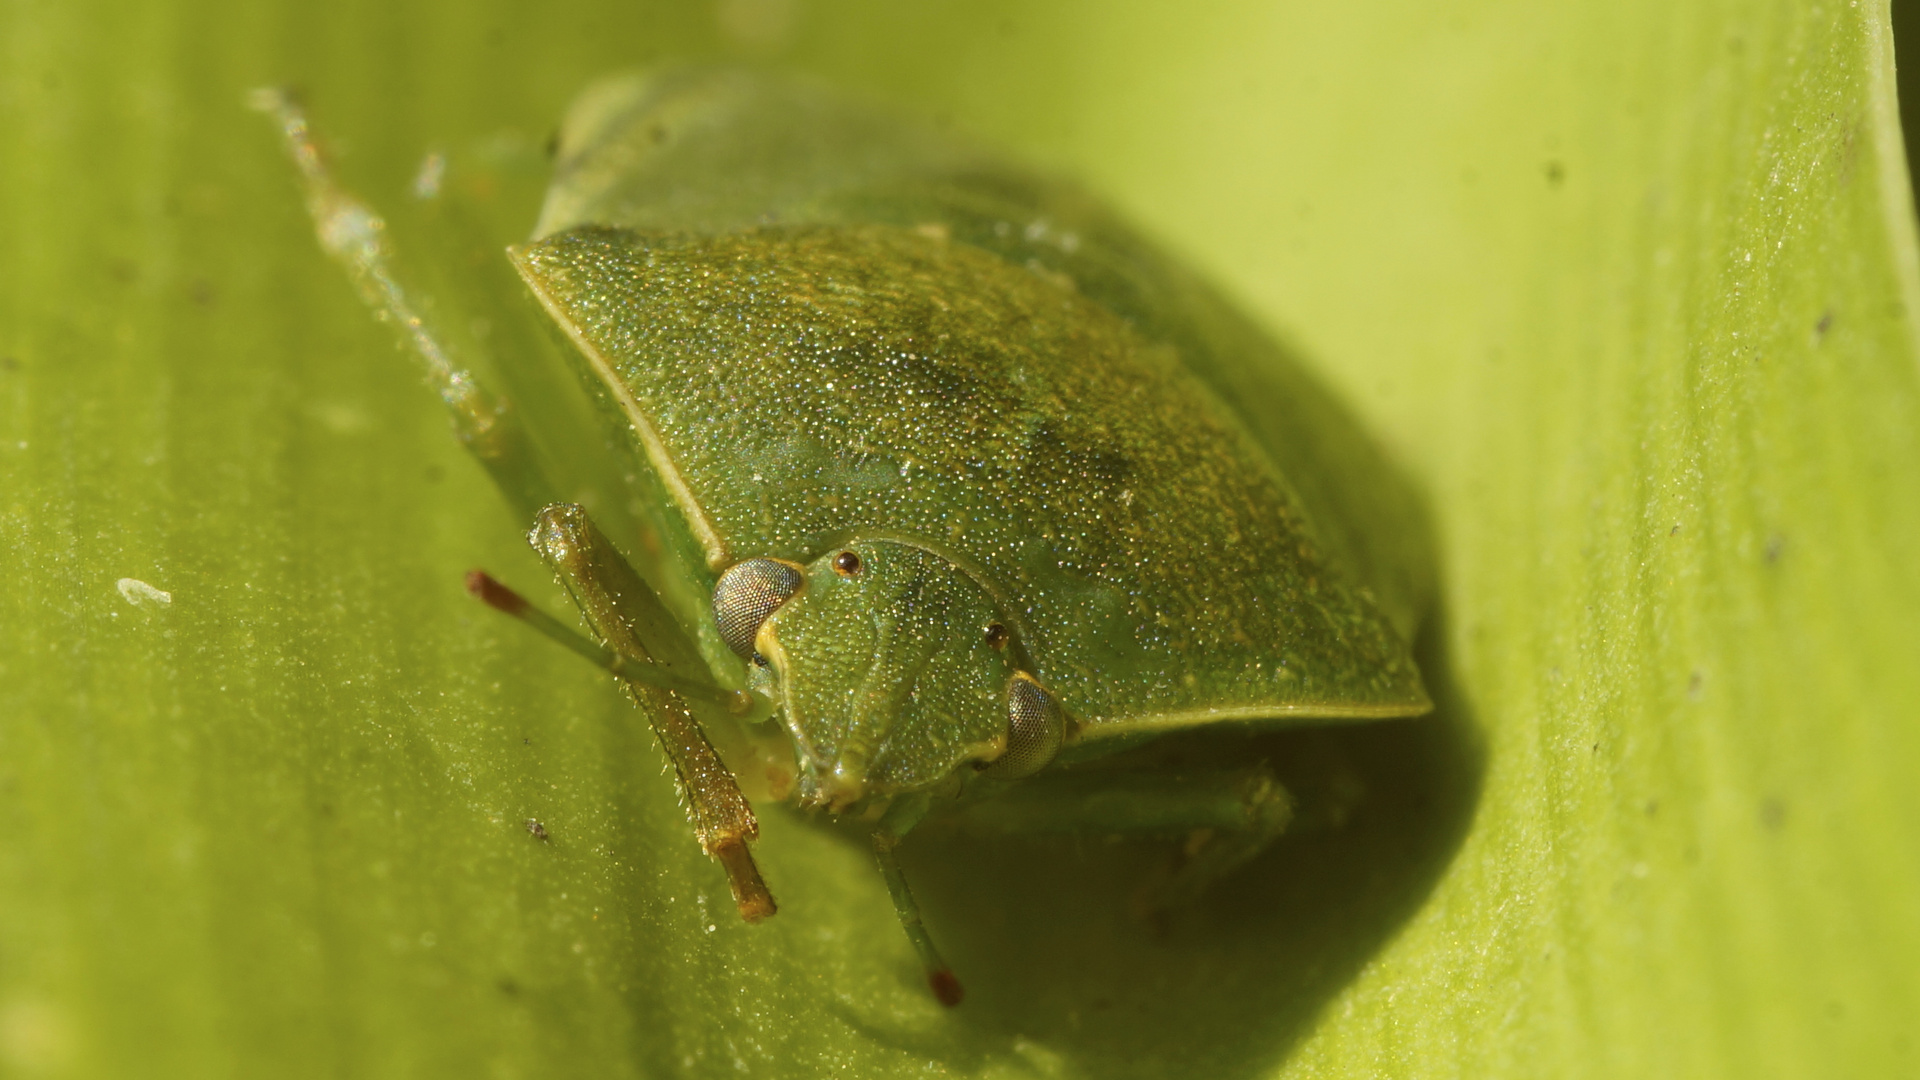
[
  {"x": 742, "y": 704},
  {"x": 355, "y": 236}
]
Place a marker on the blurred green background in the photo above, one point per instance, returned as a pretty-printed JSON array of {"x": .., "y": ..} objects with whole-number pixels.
[{"x": 1629, "y": 289}]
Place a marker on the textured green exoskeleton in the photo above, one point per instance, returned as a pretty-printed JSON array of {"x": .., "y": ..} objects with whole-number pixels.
[{"x": 972, "y": 487}]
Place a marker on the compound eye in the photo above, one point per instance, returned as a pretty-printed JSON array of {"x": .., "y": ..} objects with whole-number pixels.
[
  {"x": 1035, "y": 724},
  {"x": 747, "y": 594}
]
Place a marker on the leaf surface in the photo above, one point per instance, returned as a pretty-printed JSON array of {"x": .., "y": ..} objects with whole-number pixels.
[{"x": 1629, "y": 290}]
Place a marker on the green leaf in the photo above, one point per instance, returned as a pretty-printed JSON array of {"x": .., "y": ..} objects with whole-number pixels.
[{"x": 1629, "y": 289}]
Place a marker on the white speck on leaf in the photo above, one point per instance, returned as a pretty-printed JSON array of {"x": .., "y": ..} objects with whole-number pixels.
[
  {"x": 140, "y": 594},
  {"x": 426, "y": 182}
]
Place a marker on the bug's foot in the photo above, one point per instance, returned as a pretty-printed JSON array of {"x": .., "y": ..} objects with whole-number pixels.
[
  {"x": 945, "y": 987},
  {"x": 749, "y": 890}
]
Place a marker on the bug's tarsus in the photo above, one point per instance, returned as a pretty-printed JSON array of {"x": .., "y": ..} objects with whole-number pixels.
[
  {"x": 946, "y": 988},
  {"x": 743, "y": 877}
]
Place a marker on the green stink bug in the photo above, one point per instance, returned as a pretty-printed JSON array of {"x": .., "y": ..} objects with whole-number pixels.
[{"x": 959, "y": 487}]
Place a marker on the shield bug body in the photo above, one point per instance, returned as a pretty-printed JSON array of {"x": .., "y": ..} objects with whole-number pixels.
[{"x": 972, "y": 486}]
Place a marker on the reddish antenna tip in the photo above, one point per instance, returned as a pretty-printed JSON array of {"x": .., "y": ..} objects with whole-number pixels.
[
  {"x": 945, "y": 987},
  {"x": 493, "y": 594}
]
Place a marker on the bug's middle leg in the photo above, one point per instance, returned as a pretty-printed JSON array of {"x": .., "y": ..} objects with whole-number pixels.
[
  {"x": 894, "y": 825},
  {"x": 1221, "y": 817}
]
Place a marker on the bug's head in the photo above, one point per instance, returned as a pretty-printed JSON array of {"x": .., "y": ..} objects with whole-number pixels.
[{"x": 894, "y": 669}]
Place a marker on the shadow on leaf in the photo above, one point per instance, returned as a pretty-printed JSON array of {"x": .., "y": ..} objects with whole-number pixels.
[{"x": 1059, "y": 968}]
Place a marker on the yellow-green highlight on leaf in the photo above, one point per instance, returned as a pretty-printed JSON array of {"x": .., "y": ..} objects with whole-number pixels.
[{"x": 1630, "y": 290}]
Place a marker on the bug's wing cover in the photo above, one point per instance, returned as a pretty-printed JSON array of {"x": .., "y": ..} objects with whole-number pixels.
[
  {"x": 708, "y": 150},
  {"x": 705, "y": 150},
  {"x": 806, "y": 385}
]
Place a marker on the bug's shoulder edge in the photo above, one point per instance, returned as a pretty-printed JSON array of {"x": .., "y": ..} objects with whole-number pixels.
[
  {"x": 712, "y": 545},
  {"x": 1099, "y": 729}
]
